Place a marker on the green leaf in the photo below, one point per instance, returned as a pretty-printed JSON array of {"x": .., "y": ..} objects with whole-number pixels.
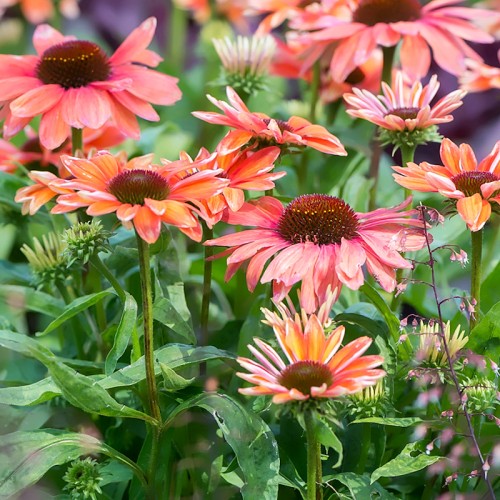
[
  {"x": 165, "y": 312},
  {"x": 23, "y": 344},
  {"x": 123, "y": 332},
  {"x": 327, "y": 438},
  {"x": 27, "y": 456},
  {"x": 79, "y": 390},
  {"x": 251, "y": 440},
  {"x": 408, "y": 461},
  {"x": 377, "y": 300},
  {"x": 32, "y": 394},
  {"x": 32, "y": 300},
  {"x": 485, "y": 337},
  {"x": 173, "y": 381},
  {"x": 173, "y": 355},
  {"x": 393, "y": 422},
  {"x": 360, "y": 487},
  {"x": 78, "y": 305},
  {"x": 86, "y": 393},
  {"x": 489, "y": 289}
]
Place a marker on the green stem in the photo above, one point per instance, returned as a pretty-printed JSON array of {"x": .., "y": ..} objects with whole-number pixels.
[
  {"x": 388, "y": 59},
  {"x": 475, "y": 279},
  {"x": 315, "y": 91},
  {"x": 176, "y": 38},
  {"x": 104, "y": 270},
  {"x": 76, "y": 140},
  {"x": 147, "y": 313},
  {"x": 207, "y": 287},
  {"x": 407, "y": 156},
  {"x": 313, "y": 457}
]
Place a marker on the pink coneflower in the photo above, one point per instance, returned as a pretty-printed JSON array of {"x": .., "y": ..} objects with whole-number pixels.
[
  {"x": 315, "y": 367},
  {"x": 480, "y": 76},
  {"x": 319, "y": 240},
  {"x": 472, "y": 187},
  {"x": 73, "y": 83},
  {"x": 405, "y": 108},
  {"x": 438, "y": 25},
  {"x": 259, "y": 128},
  {"x": 143, "y": 195}
]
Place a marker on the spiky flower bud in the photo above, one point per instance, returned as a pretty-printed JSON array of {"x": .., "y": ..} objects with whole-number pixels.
[
  {"x": 431, "y": 349},
  {"x": 82, "y": 478},
  {"x": 245, "y": 62},
  {"x": 480, "y": 394},
  {"x": 370, "y": 402},
  {"x": 47, "y": 259},
  {"x": 85, "y": 239}
]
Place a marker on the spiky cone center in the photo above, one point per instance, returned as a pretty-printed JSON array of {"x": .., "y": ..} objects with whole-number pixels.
[
  {"x": 404, "y": 113},
  {"x": 305, "y": 374},
  {"x": 318, "y": 218},
  {"x": 356, "y": 76},
  {"x": 282, "y": 125},
  {"x": 372, "y": 12},
  {"x": 470, "y": 182},
  {"x": 73, "y": 64},
  {"x": 134, "y": 186}
]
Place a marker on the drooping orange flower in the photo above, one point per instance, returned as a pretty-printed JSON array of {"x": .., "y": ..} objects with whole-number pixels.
[
  {"x": 143, "y": 195},
  {"x": 480, "y": 76},
  {"x": 73, "y": 83},
  {"x": 244, "y": 170},
  {"x": 259, "y": 127},
  {"x": 320, "y": 241},
  {"x": 438, "y": 25},
  {"x": 316, "y": 366},
  {"x": 474, "y": 188},
  {"x": 47, "y": 185}
]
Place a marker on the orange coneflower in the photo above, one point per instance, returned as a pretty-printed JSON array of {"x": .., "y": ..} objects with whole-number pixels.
[
  {"x": 316, "y": 366},
  {"x": 143, "y": 195},
  {"x": 471, "y": 186},
  {"x": 73, "y": 83}
]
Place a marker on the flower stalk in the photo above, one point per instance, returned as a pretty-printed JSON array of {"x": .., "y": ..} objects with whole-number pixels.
[
  {"x": 475, "y": 280},
  {"x": 76, "y": 140},
  {"x": 313, "y": 457},
  {"x": 207, "y": 287},
  {"x": 147, "y": 312}
]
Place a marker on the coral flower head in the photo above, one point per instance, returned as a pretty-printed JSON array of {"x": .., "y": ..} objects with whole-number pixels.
[
  {"x": 260, "y": 128},
  {"x": 404, "y": 107},
  {"x": 315, "y": 367},
  {"x": 438, "y": 25},
  {"x": 73, "y": 83},
  {"x": 473, "y": 188},
  {"x": 321, "y": 241},
  {"x": 142, "y": 195}
]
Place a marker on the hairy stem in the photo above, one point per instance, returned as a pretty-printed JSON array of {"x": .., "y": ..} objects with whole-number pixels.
[
  {"x": 313, "y": 457},
  {"x": 147, "y": 312}
]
